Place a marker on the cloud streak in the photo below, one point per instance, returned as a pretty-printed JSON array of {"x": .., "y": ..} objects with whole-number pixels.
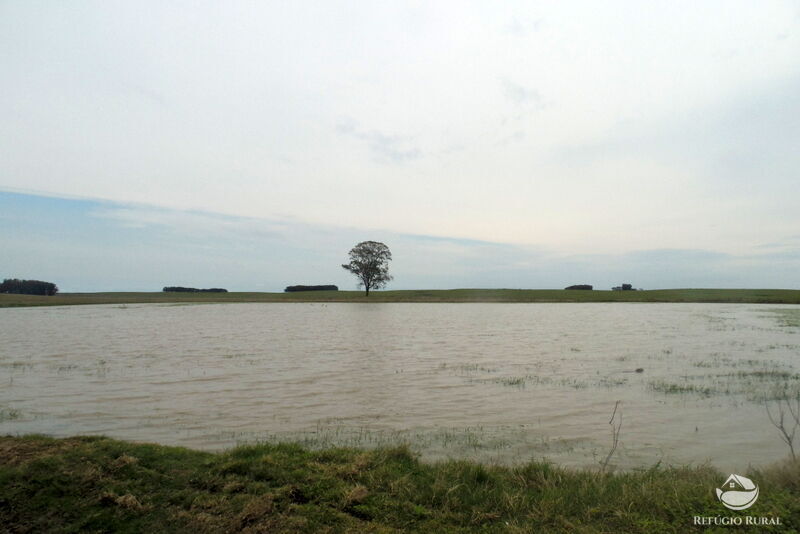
[
  {"x": 520, "y": 94},
  {"x": 385, "y": 148}
]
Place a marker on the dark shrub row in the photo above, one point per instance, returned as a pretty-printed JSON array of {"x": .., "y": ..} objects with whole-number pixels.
[
  {"x": 291, "y": 289},
  {"x": 623, "y": 287},
  {"x": 28, "y": 287},
  {"x": 579, "y": 286},
  {"x": 178, "y": 289}
]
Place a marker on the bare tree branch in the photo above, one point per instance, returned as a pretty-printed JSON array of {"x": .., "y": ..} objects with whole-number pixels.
[
  {"x": 615, "y": 430},
  {"x": 787, "y": 428}
]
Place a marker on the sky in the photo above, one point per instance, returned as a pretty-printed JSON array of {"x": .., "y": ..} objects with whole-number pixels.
[{"x": 250, "y": 145}]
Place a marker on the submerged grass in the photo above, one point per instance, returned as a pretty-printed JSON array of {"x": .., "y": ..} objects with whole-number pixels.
[
  {"x": 755, "y": 385},
  {"x": 672, "y": 388},
  {"x": 790, "y": 318},
  {"x": 9, "y": 414},
  {"x": 768, "y": 296},
  {"x": 524, "y": 381},
  {"x": 104, "y": 485}
]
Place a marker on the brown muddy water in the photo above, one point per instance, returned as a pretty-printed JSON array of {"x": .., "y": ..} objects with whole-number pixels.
[{"x": 491, "y": 382}]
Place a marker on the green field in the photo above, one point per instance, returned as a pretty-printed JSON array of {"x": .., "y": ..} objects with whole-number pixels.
[
  {"x": 90, "y": 484},
  {"x": 761, "y": 296}
]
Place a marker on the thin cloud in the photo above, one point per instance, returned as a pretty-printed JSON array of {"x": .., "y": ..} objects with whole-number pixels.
[
  {"x": 787, "y": 242},
  {"x": 519, "y": 94},
  {"x": 385, "y": 148},
  {"x": 521, "y": 28},
  {"x": 194, "y": 223}
]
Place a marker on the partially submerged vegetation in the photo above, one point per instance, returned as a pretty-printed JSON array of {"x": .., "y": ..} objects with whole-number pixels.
[
  {"x": 789, "y": 318},
  {"x": 755, "y": 296},
  {"x": 104, "y": 485}
]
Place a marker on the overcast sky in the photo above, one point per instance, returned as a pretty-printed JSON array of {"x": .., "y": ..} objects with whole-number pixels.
[{"x": 489, "y": 144}]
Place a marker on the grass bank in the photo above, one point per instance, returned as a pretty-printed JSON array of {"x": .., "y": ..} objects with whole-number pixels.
[
  {"x": 760, "y": 296},
  {"x": 103, "y": 485}
]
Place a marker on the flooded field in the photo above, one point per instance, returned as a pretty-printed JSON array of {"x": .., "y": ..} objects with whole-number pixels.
[{"x": 492, "y": 382}]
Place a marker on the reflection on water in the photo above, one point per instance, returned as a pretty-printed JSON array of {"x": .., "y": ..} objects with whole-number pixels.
[{"x": 495, "y": 382}]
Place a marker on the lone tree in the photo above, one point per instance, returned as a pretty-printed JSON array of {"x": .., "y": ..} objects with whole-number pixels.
[{"x": 369, "y": 261}]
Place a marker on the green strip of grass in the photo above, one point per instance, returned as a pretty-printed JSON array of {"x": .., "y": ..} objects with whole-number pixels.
[
  {"x": 762, "y": 296},
  {"x": 104, "y": 485}
]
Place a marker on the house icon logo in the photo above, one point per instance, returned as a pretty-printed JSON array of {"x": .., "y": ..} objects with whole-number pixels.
[{"x": 738, "y": 493}]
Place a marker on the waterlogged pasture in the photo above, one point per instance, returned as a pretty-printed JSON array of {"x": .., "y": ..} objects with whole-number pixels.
[{"x": 492, "y": 382}]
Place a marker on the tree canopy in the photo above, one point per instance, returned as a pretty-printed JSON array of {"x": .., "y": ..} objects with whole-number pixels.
[
  {"x": 28, "y": 287},
  {"x": 294, "y": 289},
  {"x": 369, "y": 262}
]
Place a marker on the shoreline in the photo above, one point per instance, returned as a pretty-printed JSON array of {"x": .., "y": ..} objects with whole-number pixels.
[
  {"x": 98, "y": 483},
  {"x": 731, "y": 296}
]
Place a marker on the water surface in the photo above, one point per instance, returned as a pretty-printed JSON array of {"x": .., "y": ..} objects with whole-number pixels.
[{"x": 493, "y": 382}]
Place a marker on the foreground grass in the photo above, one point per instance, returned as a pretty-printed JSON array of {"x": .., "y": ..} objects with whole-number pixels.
[
  {"x": 103, "y": 485},
  {"x": 763, "y": 296}
]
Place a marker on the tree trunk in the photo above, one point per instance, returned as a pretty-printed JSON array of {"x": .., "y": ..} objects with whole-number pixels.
[{"x": 367, "y": 288}]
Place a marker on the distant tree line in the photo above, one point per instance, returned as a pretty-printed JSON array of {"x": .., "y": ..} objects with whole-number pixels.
[
  {"x": 580, "y": 286},
  {"x": 292, "y": 289},
  {"x": 623, "y": 287},
  {"x": 179, "y": 289},
  {"x": 28, "y": 287}
]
